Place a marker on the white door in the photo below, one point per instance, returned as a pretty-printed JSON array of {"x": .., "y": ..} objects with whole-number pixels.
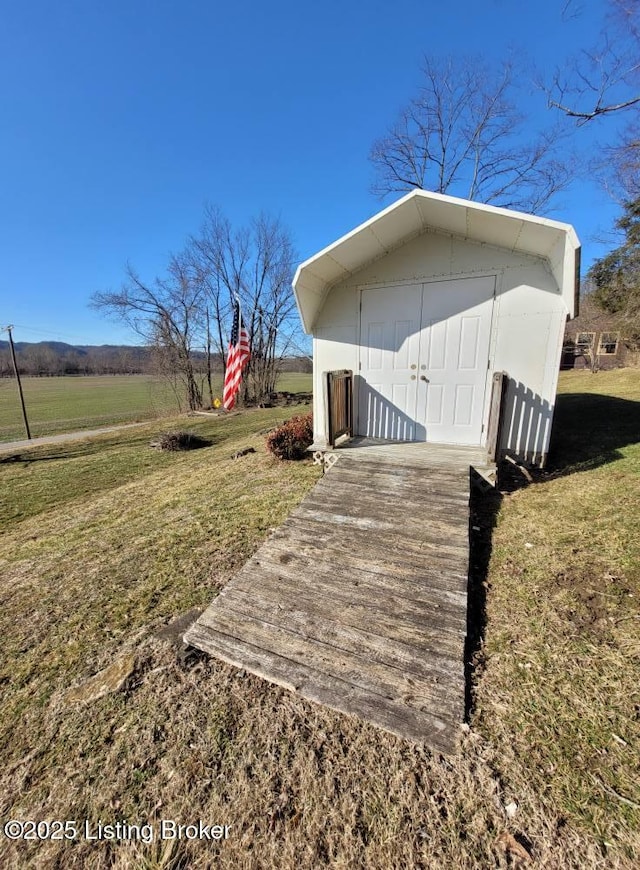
[
  {"x": 423, "y": 364},
  {"x": 390, "y": 341},
  {"x": 454, "y": 354}
]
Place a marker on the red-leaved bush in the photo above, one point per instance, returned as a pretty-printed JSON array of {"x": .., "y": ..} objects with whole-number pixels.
[{"x": 290, "y": 441}]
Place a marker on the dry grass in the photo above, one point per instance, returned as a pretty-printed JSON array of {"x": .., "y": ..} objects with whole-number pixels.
[
  {"x": 109, "y": 543},
  {"x": 560, "y": 689}
]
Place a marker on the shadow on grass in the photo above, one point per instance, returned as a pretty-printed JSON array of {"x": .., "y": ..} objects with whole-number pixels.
[
  {"x": 589, "y": 431},
  {"x": 484, "y": 506},
  {"x": 28, "y": 458},
  {"x": 179, "y": 441}
]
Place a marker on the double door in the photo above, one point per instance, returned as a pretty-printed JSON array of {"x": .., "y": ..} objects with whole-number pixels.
[{"x": 424, "y": 351}]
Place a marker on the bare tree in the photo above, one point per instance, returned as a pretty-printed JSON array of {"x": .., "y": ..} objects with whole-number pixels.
[
  {"x": 462, "y": 133},
  {"x": 39, "y": 359},
  {"x": 254, "y": 263},
  {"x": 167, "y": 315},
  {"x": 191, "y": 308},
  {"x": 219, "y": 257},
  {"x": 623, "y": 165},
  {"x": 270, "y": 301},
  {"x": 6, "y": 368}
]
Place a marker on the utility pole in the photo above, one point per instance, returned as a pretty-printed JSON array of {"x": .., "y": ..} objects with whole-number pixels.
[{"x": 15, "y": 368}]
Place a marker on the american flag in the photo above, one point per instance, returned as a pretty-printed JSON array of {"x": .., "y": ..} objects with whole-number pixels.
[{"x": 237, "y": 358}]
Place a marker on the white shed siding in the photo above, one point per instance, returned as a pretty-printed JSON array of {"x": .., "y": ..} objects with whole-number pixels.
[
  {"x": 334, "y": 347},
  {"x": 528, "y": 321},
  {"x": 435, "y": 255}
]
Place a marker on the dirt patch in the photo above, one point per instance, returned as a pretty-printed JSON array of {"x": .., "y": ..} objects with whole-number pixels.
[
  {"x": 591, "y": 598},
  {"x": 174, "y": 630},
  {"x": 285, "y": 399}
]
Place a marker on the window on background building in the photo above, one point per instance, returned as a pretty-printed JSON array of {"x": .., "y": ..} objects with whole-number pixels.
[
  {"x": 585, "y": 341},
  {"x": 608, "y": 343}
]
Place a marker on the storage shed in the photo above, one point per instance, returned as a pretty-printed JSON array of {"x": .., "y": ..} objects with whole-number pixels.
[{"x": 424, "y": 303}]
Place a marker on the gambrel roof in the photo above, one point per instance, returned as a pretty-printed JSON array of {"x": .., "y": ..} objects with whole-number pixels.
[{"x": 421, "y": 211}]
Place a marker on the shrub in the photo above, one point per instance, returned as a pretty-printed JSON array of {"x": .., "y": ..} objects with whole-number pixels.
[
  {"x": 179, "y": 441},
  {"x": 291, "y": 440}
]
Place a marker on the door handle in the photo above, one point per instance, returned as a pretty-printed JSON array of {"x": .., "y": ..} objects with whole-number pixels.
[{"x": 424, "y": 378}]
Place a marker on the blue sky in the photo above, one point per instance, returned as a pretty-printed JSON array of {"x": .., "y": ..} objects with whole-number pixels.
[{"x": 121, "y": 120}]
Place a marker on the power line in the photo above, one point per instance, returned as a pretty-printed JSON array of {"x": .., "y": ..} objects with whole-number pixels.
[
  {"x": 58, "y": 335},
  {"x": 61, "y": 335}
]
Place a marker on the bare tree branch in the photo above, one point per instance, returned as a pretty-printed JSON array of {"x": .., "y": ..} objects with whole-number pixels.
[
  {"x": 570, "y": 10},
  {"x": 596, "y": 111},
  {"x": 462, "y": 133},
  {"x": 603, "y": 79},
  {"x": 166, "y": 315}
]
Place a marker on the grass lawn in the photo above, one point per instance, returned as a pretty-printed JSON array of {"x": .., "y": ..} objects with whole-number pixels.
[
  {"x": 70, "y": 404},
  {"x": 560, "y": 693},
  {"x": 104, "y": 542}
]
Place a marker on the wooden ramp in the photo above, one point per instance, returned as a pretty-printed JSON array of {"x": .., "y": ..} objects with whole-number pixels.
[{"x": 359, "y": 600}]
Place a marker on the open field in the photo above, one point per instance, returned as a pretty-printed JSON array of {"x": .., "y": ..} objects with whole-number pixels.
[
  {"x": 104, "y": 542},
  {"x": 70, "y": 404}
]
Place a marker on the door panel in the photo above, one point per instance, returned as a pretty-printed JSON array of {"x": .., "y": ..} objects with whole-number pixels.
[
  {"x": 433, "y": 414},
  {"x": 387, "y": 392},
  {"x": 454, "y": 343},
  {"x": 403, "y": 329},
  {"x": 463, "y": 405},
  {"x": 436, "y": 343},
  {"x": 469, "y": 343},
  {"x": 375, "y": 343}
]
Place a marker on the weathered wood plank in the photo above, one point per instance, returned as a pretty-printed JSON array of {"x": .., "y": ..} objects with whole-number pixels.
[
  {"x": 423, "y": 477},
  {"x": 373, "y": 537},
  {"x": 449, "y": 461},
  {"x": 354, "y": 476},
  {"x": 354, "y": 586},
  {"x": 367, "y": 647},
  {"x": 386, "y": 517},
  {"x": 404, "y": 469},
  {"x": 335, "y": 693},
  {"x": 359, "y": 576},
  {"x": 323, "y": 651},
  {"x": 353, "y": 486},
  {"x": 333, "y": 512},
  {"x": 369, "y": 500},
  {"x": 313, "y": 540},
  {"x": 425, "y": 633},
  {"x": 361, "y": 640}
]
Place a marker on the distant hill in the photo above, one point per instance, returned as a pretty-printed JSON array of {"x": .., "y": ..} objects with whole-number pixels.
[
  {"x": 60, "y": 347},
  {"x": 47, "y": 358}
]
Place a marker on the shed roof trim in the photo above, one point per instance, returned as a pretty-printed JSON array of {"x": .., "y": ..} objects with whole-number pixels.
[{"x": 420, "y": 211}]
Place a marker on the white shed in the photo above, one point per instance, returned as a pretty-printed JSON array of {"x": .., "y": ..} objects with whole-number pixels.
[{"x": 427, "y": 300}]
